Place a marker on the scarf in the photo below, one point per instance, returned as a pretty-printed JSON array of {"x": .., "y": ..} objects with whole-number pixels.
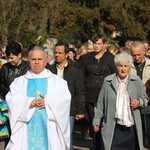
[{"x": 123, "y": 110}]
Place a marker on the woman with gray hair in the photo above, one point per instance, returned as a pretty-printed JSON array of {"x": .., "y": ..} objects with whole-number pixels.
[
  {"x": 123, "y": 58},
  {"x": 117, "y": 112}
]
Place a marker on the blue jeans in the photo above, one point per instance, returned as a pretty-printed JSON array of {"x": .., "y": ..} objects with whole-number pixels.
[{"x": 72, "y": 120}]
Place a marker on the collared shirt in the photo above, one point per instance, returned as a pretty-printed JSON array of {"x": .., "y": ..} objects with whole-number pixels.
[
  {"x": 60, "y": 70},
  {"x": 139, "y": 68}
]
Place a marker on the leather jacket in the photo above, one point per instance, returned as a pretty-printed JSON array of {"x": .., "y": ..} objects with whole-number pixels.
[{"x": 8, "y": 73}]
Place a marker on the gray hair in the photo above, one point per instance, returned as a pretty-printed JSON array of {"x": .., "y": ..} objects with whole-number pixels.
[
  {"x": 37, "y": 48},
  {"x": 122, "y": 58},
  {"x": 136, "y": 44},
  {"x": 49, "y": 51}
]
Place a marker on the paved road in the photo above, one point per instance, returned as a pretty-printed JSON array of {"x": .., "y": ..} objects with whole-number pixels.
[{"x": 80, "y": 144}]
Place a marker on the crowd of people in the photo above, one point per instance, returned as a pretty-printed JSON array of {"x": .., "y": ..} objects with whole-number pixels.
[{"x": 45, "y": 91}]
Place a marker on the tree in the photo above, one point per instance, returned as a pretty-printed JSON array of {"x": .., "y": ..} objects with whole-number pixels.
[
  {"x": 132, "y": 18},
  {"x": 74, "y": 21},
  {"x": 21, "y": 20}
]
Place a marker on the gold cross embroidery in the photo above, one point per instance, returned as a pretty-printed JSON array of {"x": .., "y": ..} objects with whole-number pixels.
[{"x": 37, "y": 94}]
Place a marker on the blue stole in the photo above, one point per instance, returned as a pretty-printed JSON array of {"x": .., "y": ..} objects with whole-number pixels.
[{"x": 37, "y": 126}]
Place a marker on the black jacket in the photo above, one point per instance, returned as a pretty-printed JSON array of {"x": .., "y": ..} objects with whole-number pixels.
[
  {"x": 8, "y": 73},
  {"x": 74, "y": 78},
  {"x": 94, "y": 72}
]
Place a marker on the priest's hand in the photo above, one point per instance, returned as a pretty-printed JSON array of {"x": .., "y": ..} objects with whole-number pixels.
[
  {"x": 96, "y": 128},
  {"x": 33, "y": 103},
  {"x": 40, "y": 103}
]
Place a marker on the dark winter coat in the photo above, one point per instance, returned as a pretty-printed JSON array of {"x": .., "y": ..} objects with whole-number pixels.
[
  {"x": 94, "y": 72},
  {"x": 74, "y": 78},
  {"x": 8, "y": 73}
]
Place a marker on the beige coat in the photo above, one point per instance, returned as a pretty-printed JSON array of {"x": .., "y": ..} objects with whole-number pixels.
[{"x": 146, "y": 70}]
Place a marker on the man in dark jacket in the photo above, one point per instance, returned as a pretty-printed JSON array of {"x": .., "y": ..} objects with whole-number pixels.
[
  {"x": 96, "y": 66},
  {"x": 74, "y": 78},
  {"x": 14, "y": 68}
]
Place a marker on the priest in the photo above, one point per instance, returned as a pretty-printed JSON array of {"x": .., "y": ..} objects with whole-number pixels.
[{"x": 39, "y": 108}]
